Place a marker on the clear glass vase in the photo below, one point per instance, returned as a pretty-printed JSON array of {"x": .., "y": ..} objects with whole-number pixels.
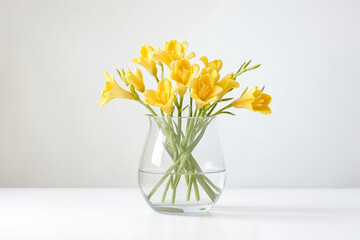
[{"x": 182, "y": 167}]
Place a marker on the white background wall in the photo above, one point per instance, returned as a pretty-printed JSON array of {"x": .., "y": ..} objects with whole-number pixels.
[{"x": 53, "y": 54}]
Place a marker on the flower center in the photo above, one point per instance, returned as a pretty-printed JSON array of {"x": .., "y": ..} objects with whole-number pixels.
[
  {"x": 204, "y": 91},
  {"x": 163, "y": 97}
]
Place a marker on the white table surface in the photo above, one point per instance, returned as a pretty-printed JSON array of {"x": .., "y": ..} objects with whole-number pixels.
[{"x": 123, "y": 214}]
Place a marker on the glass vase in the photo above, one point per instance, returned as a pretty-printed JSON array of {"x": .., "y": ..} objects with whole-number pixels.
[{"x": 182, "y": 168}]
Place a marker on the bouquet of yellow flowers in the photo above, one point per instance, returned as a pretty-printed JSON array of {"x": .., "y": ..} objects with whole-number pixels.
[{"x": 207, "y": 92}]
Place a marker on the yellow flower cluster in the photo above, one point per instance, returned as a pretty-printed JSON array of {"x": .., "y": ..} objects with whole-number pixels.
[{"x": 206, "y": 87}]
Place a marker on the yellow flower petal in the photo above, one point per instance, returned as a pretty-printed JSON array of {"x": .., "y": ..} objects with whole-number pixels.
[
  {"x": 145, "y": 50},
  {"x": 176, "y": 49},
  {"x": 164, "y": 86},
  {"x": 181, "y": 89},
  {"x": 227, "y": 83},
  {"x": 190, "y": 56},
  {"x": 204, "y": 89},
  {"x": 135, "y": 79},
  {"x": 216, "y": 64},
  {"x": 159, "y": 56},
  {"x": 212, "y": 72},
  {"x": 161, "y": 98},
  {"x": 183, "y": 73},
  {"x": 261, "y": 105},
  {"x": 145, "y": 60},
  {"x": 245, "y": 100},
  {"x": 184, "y": 46},
  {"x": 254, "y": 100},
  {"x": 113, "y": 90},
  {"x": 151, "y": 97},
  {"x": 173, "y": 51},
  {"x": 205, "y": 60}
]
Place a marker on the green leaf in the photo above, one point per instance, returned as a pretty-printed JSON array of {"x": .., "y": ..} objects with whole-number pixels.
[
  {"x": 176, "y": 103},
  {"x": 117, "y": 70},
  {"x": 207, "y": 107},
  {"x": 254, "y": 67},
  {"x": 244, "y": 91},
  {"x": 247, "y": 64},
  {"x": 226, "y": 99},
  {"x": 262, "y": 88},
  {"x": 122, "y": 77},
  {"x": 185, "y": 108},
  {"x": 240, "y": 68},
  {"x": 229, "y": 90},
  {"x": 175, "y": 124},
  {"x": 230, "y": 113},
  {"x": 123, "y": 73}
]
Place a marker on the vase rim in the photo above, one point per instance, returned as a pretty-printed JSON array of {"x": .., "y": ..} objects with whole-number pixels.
[{"x": 182, "y": 117}]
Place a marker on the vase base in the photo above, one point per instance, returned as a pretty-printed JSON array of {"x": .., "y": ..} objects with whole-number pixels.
[{"x": 182, "y": 209}]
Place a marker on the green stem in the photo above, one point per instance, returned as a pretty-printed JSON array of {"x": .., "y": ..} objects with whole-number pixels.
[
  {"x": 189, "y": 188},
  {"x": 185, "y": 149},
  {"x": 162, "y": 179},
  {"x": 148, "y": 107},
  {"x": 156, "y": 78},
  {"x": 187, "y": 154},
  {"x": 166, "y": 189},
  {"x": 179, "y": 117},
  {"x": 221, "y": 110},
  {"x": 162, "y": 71},
  {"x": 212, "y": 184},
  {"x": 173, "y": 196},
  {"x": 187, "y": 179},
  {"x": 212, "y": 108},
  {"x": 196, "y": 190},
  {"x": 198, "y": 169},
  {"x": 190, "y": 107},
  {"x": 212, "y": 195}
]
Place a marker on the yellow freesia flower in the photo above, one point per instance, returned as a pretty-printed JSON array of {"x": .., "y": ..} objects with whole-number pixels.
[
  {"x": 183, "y": 73},
  {"x": 173, "y": 50},
  {"x": 227, "y": 83},
  {"x": 176, "y": 49},
  {"x": 212, "y": 72},
  {"x": 254, "y": 100},
  {"x": 145, "y": 60},
  {"x": 161, "y": 98},
  {"x": 204, "y": 89},
  {"x": 113, "y": 90},
  {"x": 217, "y": 64},
  {"x": 135, "y": 79}
]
